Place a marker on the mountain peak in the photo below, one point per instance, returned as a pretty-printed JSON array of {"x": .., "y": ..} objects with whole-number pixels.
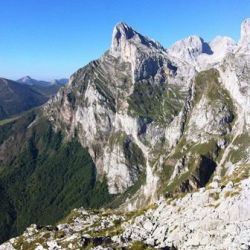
[
  {"x": 222, "y": 44},
  {"x": 245, "y": 34},
  {"x": 122, "y": 29},
  {"x": 245, "y": 27},
  {"x": 124, "y": 37},
  {"x": 25, "y": 79},
  {"x": 121, "y": 33},
  {"x": 190, "y": 48}
]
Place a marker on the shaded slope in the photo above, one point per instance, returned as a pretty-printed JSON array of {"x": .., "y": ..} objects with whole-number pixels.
[
  {"x": 44, "y": 178},
  {"x": 16, "y": 98}
]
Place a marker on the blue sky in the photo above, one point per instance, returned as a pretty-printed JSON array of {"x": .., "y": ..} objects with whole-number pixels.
[{"x": 49, "y": 39}]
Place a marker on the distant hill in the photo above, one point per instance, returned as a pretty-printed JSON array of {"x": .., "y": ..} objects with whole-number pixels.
[
  {"x": 27, "y": 80},
  {"x": 61, "y": 81},
  {"x": 43, "y": 87},
  {"x": 16, "y": 98},
  {"x": 33, "y": 82},
  {"x": 48, "y": 90}
]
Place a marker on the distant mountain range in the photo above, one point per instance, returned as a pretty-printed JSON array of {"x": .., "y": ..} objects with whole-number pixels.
[
  {"x": 24, "y": 94},
  {"x": 33, "y": 82}
]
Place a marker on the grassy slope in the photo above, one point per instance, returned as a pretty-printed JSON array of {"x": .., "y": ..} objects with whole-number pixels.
[
  {"x": 206, "y": 83},
  {"x": 157, "y": 102}
]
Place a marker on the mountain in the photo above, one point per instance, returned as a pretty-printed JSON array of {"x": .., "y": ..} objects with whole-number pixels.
[
  {"x": 27, "y": 80},
  {"x": 190, "y": 48},
  {"x": 16, "y": 98},
  {"x": 45, "y": 88},
  {"x": 61, "y": 81},
  {"x": 30, "y": 81},
  {"x": 158, "y": 138}
]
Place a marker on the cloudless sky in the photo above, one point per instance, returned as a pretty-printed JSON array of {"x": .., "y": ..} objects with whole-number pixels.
[{"x": 49, "y": 39}]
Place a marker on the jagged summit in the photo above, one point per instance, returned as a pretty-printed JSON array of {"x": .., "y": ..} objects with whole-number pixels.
[
  {"x": 30, "y": 81},
  {"x": 25, "y": 79},
  {"x": 131, "y": 47},
  {"x": 245, "y": 29},
  {"x": 190, "y": 48},
  {"x": 124, "y": 37},
  {"x": 221, "y": 40},
  {"x": 122, "y": 29},
  {"x": 221, "y": 45},
  {"x": 245, "y": 36}
]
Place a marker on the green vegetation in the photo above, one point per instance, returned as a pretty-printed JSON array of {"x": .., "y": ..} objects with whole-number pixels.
[
  {"x": 45, "y": 178},
  {"x": 199, "y": 158},
  {"x": 133, "y": 155},
  {"x": 199, "y": 165},
  {"x": 19, "y": 124},
  {"x": 3, "y": 122},
  {"x": 232, "y": 193},
  {"x": 200, "y": 170},
  {"x": 139, "y": 245},
  {"x": 117, "y": 138},
  {"x": 157, "y": 102},
  {"x": 135, "y": 213},
  {"x": 25, "y": 245},
  {"x": 242, "y": 144},
  {"x": 240, "y": 173},
  {"x": 207, "y": 83},
  {"x": 111, "y": 231},
  {"x": 209, "y": 149},
  {"x": 214, "y": 195}
]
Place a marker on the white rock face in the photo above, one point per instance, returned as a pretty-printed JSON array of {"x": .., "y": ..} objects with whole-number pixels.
[
  {"x": 117, "y": 170},
  {"x": 206, "y": 120},
  {"x": 220, "y": 47},
  {"x": 125, "y": 42},
  {"x": 245, "y": 36},
  {"x": 189, "y": 49},
  {"x": 145, "y": 55}
]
